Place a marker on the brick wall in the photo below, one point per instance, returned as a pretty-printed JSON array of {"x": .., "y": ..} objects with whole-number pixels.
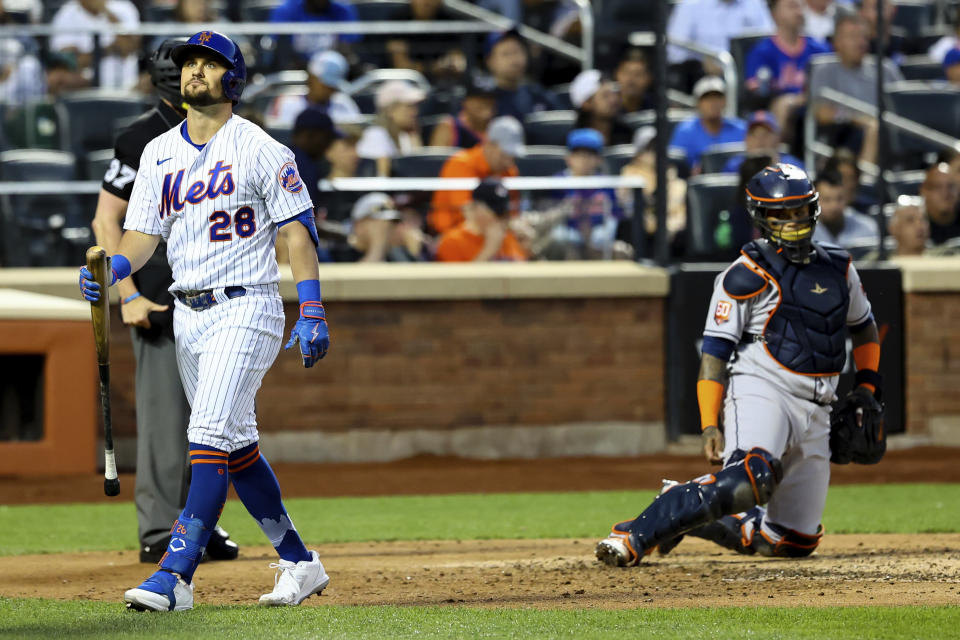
[
  {"x": 932, "y": 369},
  {"x": 447, "y": 364}
]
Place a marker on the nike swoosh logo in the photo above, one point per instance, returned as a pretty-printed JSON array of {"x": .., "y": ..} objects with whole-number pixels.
[{"x": 160, "y": 162}]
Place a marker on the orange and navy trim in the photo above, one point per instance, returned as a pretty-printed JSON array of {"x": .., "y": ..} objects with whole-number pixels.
[
  {"x": 246, "y": 460},
  {"x": 208, "y": 456}
]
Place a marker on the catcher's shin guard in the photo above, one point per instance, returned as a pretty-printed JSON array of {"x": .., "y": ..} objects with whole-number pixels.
[
  {"x": 776, "y": 541},
  {"x": 748, "y": 480}
]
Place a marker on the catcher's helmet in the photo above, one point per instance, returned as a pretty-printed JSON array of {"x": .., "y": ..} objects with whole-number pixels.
[
  {"x": 165, "y": 73},
  {"x": 772, "y": 193},
  {"x": 235, "y": 79}
]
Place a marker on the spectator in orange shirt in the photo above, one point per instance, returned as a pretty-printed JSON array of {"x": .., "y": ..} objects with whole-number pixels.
[
  {"x": 492, "y": 158},
  {"x": 484, "y": 235}
]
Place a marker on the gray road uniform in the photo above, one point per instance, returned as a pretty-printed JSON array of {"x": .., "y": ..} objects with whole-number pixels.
[{"x": 783, "y": 375}]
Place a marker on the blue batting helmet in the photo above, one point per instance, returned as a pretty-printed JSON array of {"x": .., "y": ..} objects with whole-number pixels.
[
  {"x": 235, "y": 79},
  {"x": 775, "y": 196}
]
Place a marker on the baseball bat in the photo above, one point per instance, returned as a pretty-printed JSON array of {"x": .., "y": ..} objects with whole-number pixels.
[{"x": 100, "y": 313}]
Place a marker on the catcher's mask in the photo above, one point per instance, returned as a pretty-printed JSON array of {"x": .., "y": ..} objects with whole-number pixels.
[{"x": 785, "y": 207}]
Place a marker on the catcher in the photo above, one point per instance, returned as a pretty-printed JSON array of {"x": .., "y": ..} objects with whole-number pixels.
[{"x": 773, "y": 348}]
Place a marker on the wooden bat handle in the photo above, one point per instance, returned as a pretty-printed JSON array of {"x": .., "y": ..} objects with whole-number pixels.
[{"x": 100, "y": 310}]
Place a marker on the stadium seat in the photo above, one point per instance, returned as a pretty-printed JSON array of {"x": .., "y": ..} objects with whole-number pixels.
[
  {"x": 258, "y": 10},
  {"x": 715, "y": 158},
  {"x": 281, "y": 133},
  {"x": 937, "y": 107},
  {"x": 35, "y": 125},
  {"x": 562, "y": 91},
  {"x": 375, "y": 10},
  {"x": 921, "y": 68},
  {"x": 649, "y": 118},
  {"x": 542, "y": 161},
  {"x": 914, "y": 15},
  {"x": 97, "y": 164},
  {"x": 707, "y": 197},
  {"x": 903, "y": 183},
  {"x": 49, "y": 229},
  {"x": 739, "y": 48},
  {"x": 549, "y": 127},
  {"x": 425, "y": 163},
  {"x": 363, "y": 90},
  {"x": 428, "y": 123},
  {"x": 92, "y": 117},
  {"x": 617, "y": 157}
]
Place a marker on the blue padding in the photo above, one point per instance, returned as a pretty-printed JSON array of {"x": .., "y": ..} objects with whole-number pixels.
[
  {"x": 121, "y": 266},
  {"x": 308, "y": 291},
  {"x": 306, "y": 219},
  {"x": 188, "y": 538},
  {"x": 718, "y": 347},
  {"x": 743, "y": 282}
]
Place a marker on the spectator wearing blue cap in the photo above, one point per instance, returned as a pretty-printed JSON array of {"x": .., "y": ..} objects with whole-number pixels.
[
  {"x": 316, "y": 11},
  {"x": 592, "y": 215},
  {"x": 326, "y": 81},
  {"x": 763, "y": 136},
  {"x": 692, "y": 137},
  {"x": 951, "y": 66},
  {"x": 507, "y": 58}
]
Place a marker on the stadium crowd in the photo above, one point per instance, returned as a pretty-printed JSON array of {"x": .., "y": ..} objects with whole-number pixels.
[{"x": 494, "y": 105}]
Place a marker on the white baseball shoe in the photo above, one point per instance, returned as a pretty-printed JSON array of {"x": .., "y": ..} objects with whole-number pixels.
[
  {"x": 295, "y": 582},
  {"x": 163, "y": 591}
]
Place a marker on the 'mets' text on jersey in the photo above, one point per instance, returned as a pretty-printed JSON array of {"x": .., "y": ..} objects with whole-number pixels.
[{"x": 217, "y": 206}]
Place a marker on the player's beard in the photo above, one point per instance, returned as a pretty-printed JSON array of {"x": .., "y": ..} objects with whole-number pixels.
[{"x": 200, "y": 97}]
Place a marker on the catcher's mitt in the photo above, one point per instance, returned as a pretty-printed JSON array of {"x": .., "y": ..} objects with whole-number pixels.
[{"x": 863, "y": 443}]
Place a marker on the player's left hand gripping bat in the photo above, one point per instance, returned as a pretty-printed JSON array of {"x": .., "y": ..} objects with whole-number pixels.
[{"x": 100, "y": 312}]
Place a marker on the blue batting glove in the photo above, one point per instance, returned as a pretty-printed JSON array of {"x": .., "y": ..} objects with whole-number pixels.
[
  {"x": 90, "y": 288},
  {"x": 311, "y": 332}
]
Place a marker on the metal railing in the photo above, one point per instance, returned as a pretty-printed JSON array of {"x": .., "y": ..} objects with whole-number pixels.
[
  {"x": 815, "y": 148},
  {"x": 722, "y": 58},
  {"x": 485, "y": 22}
]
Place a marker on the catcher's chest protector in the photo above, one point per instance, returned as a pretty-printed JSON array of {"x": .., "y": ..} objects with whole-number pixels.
[{"x": 807, "y": 331}]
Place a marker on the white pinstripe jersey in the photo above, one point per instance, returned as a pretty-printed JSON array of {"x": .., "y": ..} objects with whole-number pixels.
[{"x": 217, "y": 207}]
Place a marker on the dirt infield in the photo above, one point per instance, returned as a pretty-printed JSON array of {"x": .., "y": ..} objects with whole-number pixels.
[
  {"x": 847, "y": 570},
  {"x": 435, "y": 475}
]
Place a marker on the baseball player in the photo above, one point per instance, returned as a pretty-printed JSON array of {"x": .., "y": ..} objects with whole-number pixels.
[
  {"x": 162, "y": 409},
  {"x": 218, "y": 190},
  {"x": 773, "y": 346}
]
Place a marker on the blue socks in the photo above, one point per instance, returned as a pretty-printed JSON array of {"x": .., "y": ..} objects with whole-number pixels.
[
  {"x": 258, "y": 489},
  {"x": 191, "y": 531}
]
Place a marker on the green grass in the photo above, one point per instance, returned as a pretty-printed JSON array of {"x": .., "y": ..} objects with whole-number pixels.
[
  {"x": 52, "y": 619},
  {"x": 913, "y": 508}
]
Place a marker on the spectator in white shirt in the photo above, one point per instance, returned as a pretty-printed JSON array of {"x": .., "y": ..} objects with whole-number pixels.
[
  {"x": 118, "y": 66},
  {"x": 397, "y": 130},
  {"x": 713, "y": 22},
  {"x": 939, "y": 50},
  {"x": 818, "y": 19},
  {"x": 21, "y": 74},
  {"x": 326, "y": 81}
]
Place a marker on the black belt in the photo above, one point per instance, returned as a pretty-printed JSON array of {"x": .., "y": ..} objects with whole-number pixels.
[{"x": 204, "y": 299}]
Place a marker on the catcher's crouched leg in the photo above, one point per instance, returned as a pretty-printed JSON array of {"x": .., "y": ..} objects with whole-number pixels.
[{"x": 747, "y": 480}]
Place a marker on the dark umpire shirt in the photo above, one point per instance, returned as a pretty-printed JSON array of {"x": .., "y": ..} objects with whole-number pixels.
[{"x": 155, "y": 277}]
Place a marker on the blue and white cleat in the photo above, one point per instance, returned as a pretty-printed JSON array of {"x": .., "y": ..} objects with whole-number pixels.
[
  {"x": 163, "y": 591},
  {"x": 295, "y": 582}
]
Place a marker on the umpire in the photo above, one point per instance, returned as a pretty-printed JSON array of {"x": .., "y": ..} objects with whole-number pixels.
[{"x": 163, "y": 474}]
